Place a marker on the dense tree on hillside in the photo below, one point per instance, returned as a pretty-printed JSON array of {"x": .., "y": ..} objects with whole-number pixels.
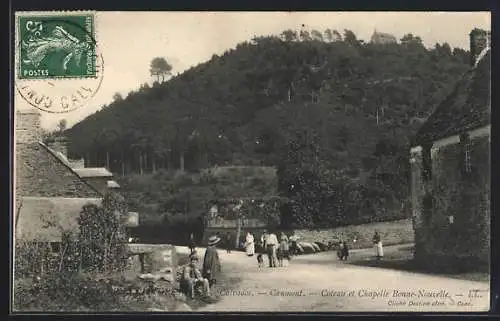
[
  {"x": 117, "y": 97},
  {"x": 160, "y": 69},
  {"x": 251, "y": 105}
]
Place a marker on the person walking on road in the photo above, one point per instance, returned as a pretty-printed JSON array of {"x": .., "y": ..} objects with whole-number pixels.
[
  {"x": 271, "y": 245},
  {"x": 343, "y": 252},
  {"x": 377, "y": 244},
  {"x": 229, "y": 242},
  {"x": 262, "y": 245},
  {"x": 249, "y": 244},
  {"x": 293, "y": 244},
  {"x": 192, "y": 243},
  {"x": 284, "y": 247}
]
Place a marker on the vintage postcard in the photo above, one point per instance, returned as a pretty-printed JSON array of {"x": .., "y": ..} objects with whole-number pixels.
[{"x": 251, "y": 162}]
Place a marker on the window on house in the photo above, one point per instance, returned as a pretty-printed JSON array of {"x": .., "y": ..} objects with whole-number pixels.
[
  {"x": 426, "y": 163},
  {"x": 466, "y": 153}
]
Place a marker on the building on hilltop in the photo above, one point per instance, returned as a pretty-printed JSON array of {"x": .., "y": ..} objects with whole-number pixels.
[
  {"x": 450, "y": 176},
  {"x": 382, "y": 38},
  {"x": 49, "y": 193}
]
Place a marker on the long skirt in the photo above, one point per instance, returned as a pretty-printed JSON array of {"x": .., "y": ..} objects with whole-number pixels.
[
  {"x": 250, "y": 248},
  {"x": 379, "y": 249}
]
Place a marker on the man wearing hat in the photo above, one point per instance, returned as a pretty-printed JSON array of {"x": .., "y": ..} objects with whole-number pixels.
[
  {"x": 211, "y": 262},
  {"x": 192, "y": 277}
]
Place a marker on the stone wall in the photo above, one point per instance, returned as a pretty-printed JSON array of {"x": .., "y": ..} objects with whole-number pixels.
[
  {"x": 461, "y": 203},
  {"x": 160, "y": 260},
  {"x": 28, "y": 127},
  {"x": 395, "y": 232},
  {"x": 417, "y": 196},
  {"x": 458, "y": 222}
]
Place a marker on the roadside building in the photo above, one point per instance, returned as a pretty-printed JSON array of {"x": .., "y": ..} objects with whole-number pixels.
[
  {"x": 49, "y": 193},
  {"x": 450, "y": 159}
]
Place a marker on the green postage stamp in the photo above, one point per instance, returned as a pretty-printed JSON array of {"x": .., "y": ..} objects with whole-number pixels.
[{"x": 59, "y": 45}]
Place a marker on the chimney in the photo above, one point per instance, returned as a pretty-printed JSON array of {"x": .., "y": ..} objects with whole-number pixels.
[
  {"x": 28, "y": 128},
  {"x": 479, "y": 40}
]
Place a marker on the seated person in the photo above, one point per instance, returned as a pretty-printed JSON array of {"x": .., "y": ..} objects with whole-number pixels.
[{"x": 191, "y": 279}]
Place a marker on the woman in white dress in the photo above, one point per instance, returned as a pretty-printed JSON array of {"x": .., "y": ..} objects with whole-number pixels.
[
  {"x": 249, "y": 244},
  {"x": 377, "y": 243}
]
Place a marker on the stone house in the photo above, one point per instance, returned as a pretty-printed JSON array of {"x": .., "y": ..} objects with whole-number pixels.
[
  {"x": 450, "y": 176},
  {"x": 49, "y": 193},
  {"x": 98, "y": 177}
]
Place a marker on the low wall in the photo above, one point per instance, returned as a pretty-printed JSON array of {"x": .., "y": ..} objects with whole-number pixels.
[
  {"x": 157, "y": 259},
  {"x": 394, "y": 232}
]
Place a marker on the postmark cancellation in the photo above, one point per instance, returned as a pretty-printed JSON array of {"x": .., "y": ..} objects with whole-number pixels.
[{"x": 59, "y": 67}]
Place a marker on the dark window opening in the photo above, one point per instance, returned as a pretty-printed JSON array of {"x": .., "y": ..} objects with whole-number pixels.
[
  {"x": 428, "y": 203},
  {"x": 55, "y": 247},
  {"x": 426, "y": 163}
]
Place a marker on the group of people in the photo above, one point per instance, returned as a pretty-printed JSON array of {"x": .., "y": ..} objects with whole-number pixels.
[
  {"x": 276, "y": 248},
  {"x": 343, "y": 249},
  {"x": 192, "y": 278}
]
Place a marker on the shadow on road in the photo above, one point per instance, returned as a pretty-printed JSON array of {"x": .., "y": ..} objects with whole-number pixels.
[{"x": 401, "y": 258}]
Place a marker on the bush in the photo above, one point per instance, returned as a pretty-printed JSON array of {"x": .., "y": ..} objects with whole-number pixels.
[
  {"x": 53, "y": 281},
  {"x": 102, "y": 238},
  {"x": 63, "y": 292}
]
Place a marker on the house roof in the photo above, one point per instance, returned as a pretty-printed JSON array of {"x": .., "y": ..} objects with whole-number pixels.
[
  {"x": 61, "y": 158},
  {"x": 467, "y": 107},
  {"x": 43, "y": 219},
  {"x": 88, "y": 172},
  {"x": 81, "y": 172}
]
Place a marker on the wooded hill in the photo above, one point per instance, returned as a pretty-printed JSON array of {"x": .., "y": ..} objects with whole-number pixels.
[{"x": 289, "y": 101}]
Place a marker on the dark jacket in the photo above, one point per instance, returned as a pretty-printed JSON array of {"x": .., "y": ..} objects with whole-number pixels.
[
  {"x": 211, "y": 263},
  {"x": 229, "y": 241}
]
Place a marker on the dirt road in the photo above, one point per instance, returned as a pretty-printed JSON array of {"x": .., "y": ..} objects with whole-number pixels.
[{"x": 319, "y": 282}]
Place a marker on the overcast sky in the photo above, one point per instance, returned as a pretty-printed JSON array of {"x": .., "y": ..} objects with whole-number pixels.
[{"x": 129, "y": 40}]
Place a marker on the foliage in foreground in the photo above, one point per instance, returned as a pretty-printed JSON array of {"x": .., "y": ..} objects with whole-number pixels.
[
  {"x": 49, "y": 280},
  {"x": 64, "y": 292}
]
